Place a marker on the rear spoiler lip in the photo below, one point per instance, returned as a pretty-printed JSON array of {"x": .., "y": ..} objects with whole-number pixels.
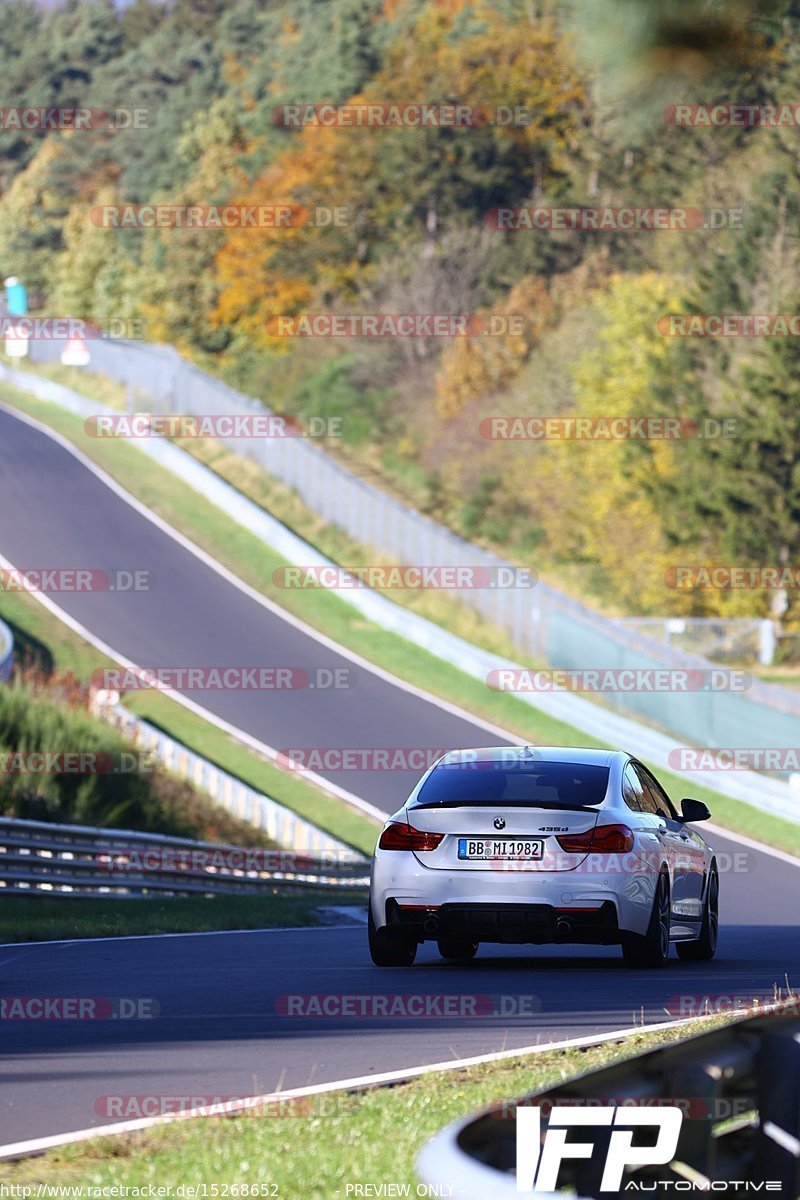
[{"x": 544, "y": 804}]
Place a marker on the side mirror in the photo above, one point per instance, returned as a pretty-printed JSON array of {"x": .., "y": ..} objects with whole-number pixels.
[{"x": 694, "y": 810}]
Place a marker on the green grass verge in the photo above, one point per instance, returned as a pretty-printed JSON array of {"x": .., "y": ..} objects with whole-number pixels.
[
  {"x": 254, "y": 562},
  {"x": 372, "y": 1136},
  {"x": 51, "y": 918}
]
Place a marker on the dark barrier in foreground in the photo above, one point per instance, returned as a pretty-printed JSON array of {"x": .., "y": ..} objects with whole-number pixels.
[{"x": 738, "y": 1094}]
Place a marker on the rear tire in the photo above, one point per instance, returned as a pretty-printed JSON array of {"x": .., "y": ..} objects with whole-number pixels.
[
  {"x": 457, "y": 949},
  {"x": 389, "y": 947},
  {"x": 652, "y": 948},
  {"x": 705, "y": 947}
]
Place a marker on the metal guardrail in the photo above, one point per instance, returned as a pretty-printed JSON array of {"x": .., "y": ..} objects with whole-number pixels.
[
  {"x": 737, "y": 1087},
  {"x": 6, "y": 652},
  {"x": 37, "y": 856}
]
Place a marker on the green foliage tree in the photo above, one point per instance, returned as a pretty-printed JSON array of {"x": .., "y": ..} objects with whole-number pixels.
[{"x": 31, "y": 223}]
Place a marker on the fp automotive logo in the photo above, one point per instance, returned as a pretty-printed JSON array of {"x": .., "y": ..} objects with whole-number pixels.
[{"x": 539, "y": 1158}]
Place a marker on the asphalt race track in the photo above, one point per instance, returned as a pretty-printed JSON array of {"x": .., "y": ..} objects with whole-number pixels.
[
  {"x": 221, "y": 1027},
  {"x": 55, "y": 513}
]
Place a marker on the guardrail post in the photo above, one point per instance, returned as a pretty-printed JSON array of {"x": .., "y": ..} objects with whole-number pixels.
[
  {"x": 700, "y": 1086},
  {"x": 778, "y": 1145}
]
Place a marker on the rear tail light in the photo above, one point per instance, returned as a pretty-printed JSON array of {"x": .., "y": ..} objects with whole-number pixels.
[
  {"x": 398, "y": 836},
  {"x": 604, "y": 839}
]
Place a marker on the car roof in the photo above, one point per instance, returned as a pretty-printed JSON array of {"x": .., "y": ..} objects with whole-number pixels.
[{"x": 566, "y": 754}]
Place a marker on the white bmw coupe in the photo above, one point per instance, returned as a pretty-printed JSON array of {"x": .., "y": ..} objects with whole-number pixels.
[{"x": 541, "y": 845}]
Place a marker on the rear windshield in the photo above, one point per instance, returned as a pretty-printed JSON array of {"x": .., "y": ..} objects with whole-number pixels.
[{"x": 561, "y": 784}]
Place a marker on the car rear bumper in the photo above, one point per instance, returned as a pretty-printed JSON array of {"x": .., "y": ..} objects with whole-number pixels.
[
  {"x": 534, "y": 900},
  {"x": 512, "y": 924}
]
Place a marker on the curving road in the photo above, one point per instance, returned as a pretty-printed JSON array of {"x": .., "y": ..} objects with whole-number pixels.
[
  {"x": 219, "y": 1028},
  {"x": 54, "y": 513}
]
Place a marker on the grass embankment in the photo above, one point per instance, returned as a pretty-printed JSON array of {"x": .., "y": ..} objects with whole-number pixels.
[
  {"x": 110, "y": 786},
  {"x": 96, "y": 777},
  {"x": 51, "y": 918},
  {"x": 254, "y": 562}
]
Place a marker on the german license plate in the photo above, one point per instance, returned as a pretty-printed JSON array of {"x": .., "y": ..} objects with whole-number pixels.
[{"x": 484, "y": 849}]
